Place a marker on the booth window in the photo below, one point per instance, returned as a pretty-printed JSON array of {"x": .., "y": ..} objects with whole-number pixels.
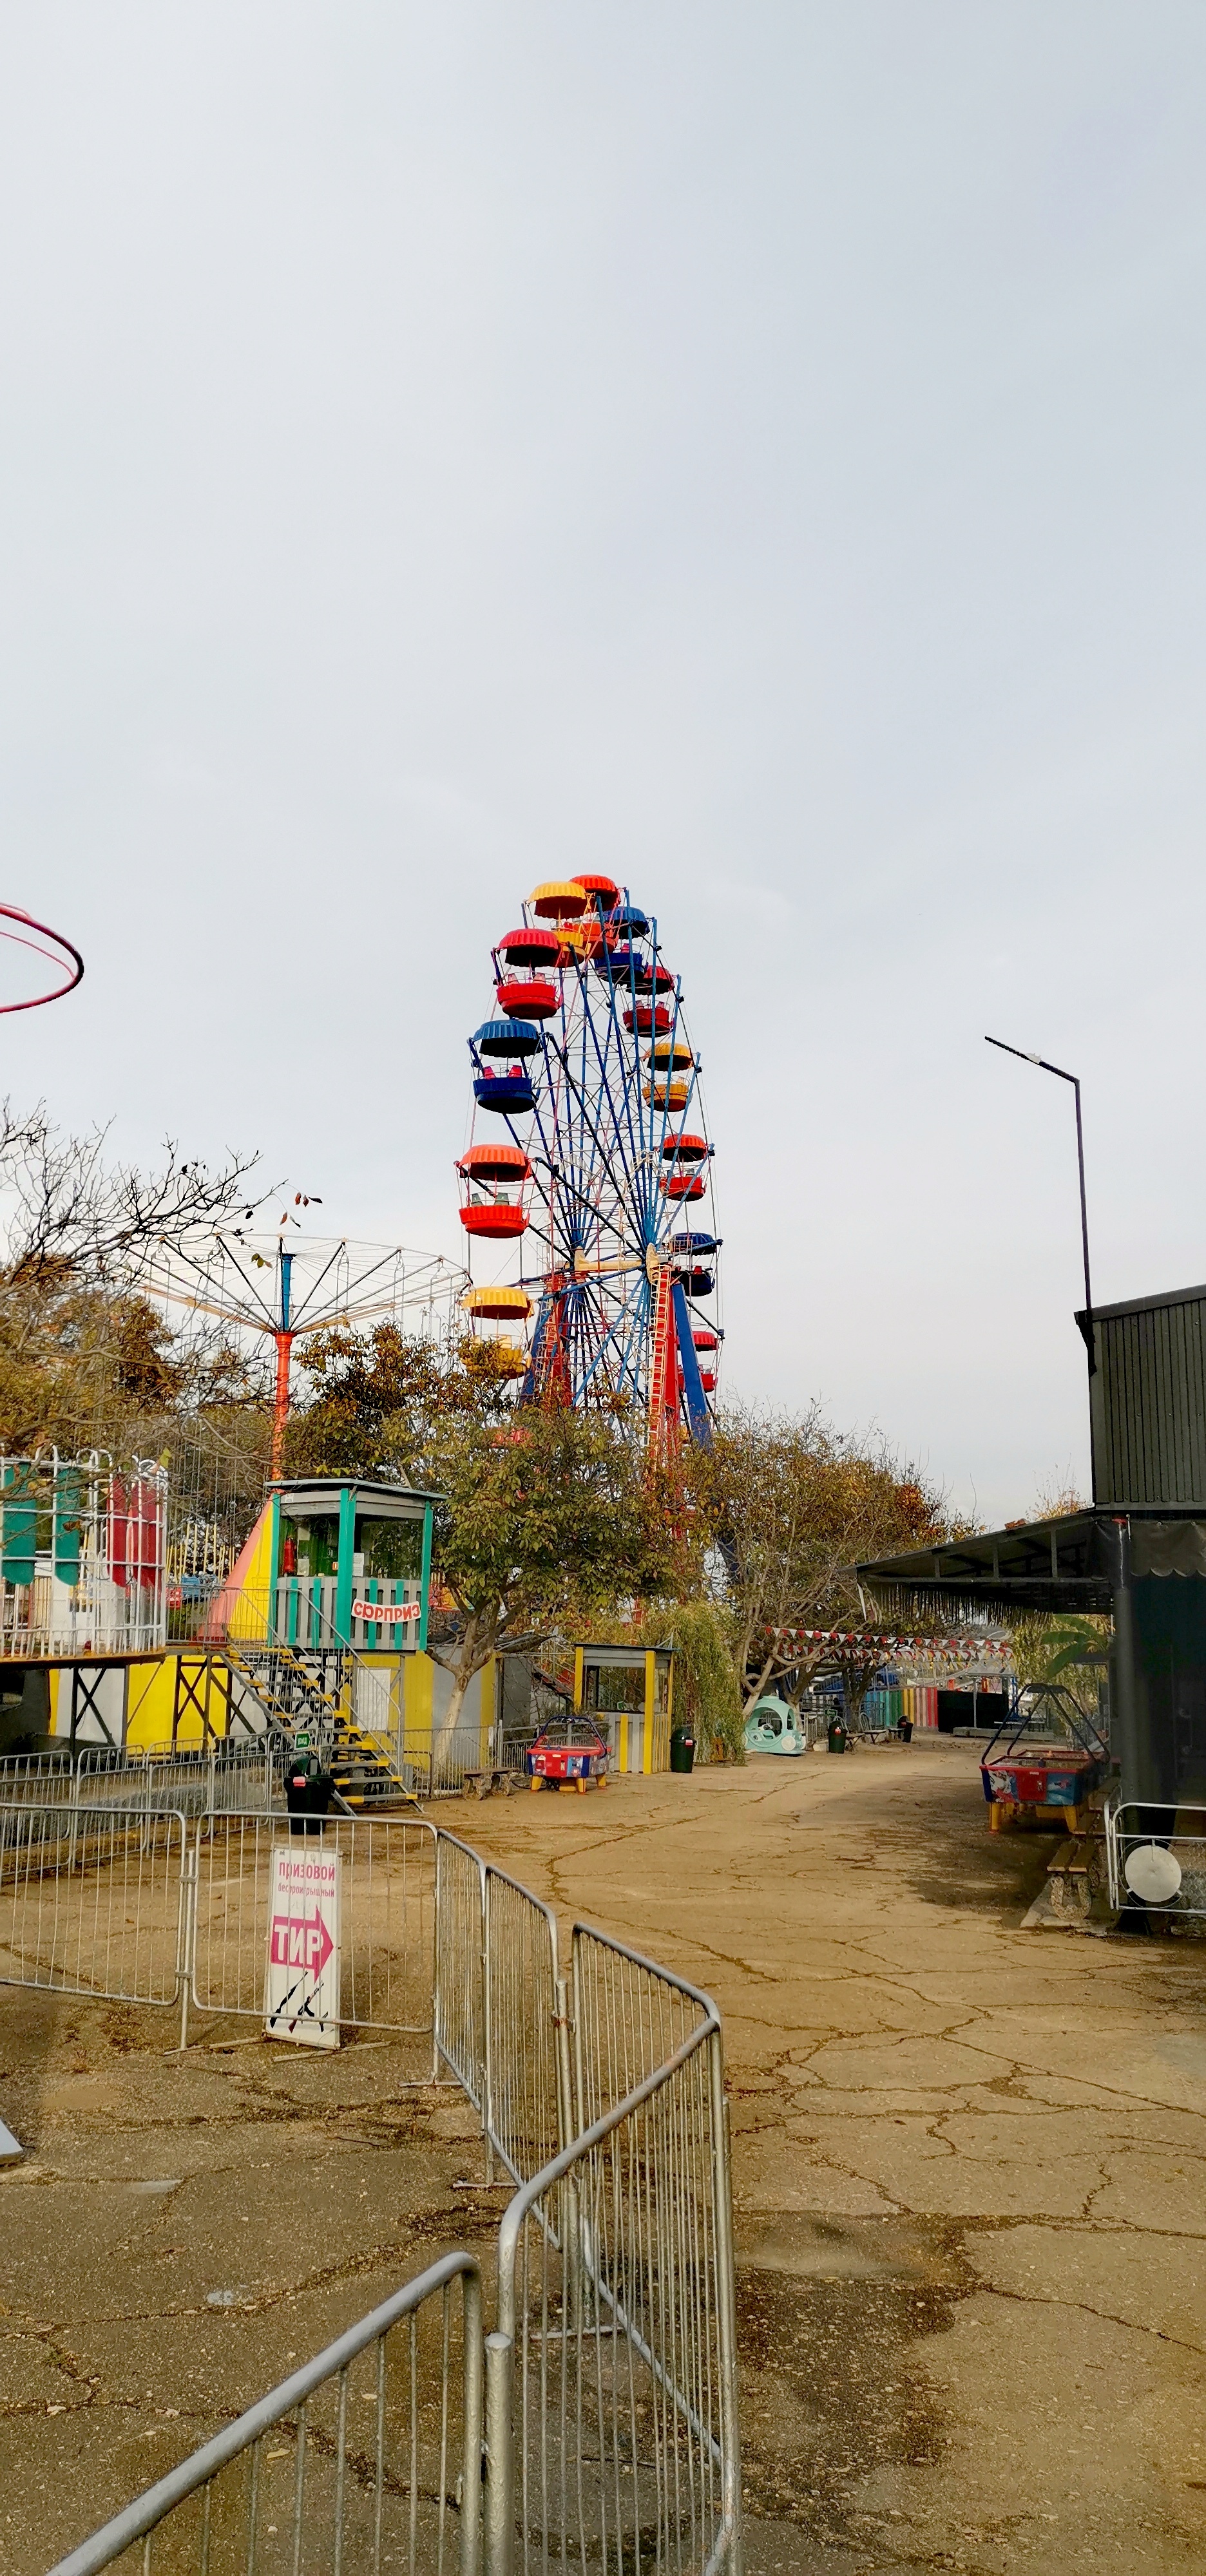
[{"x": 392, "y": 1550}]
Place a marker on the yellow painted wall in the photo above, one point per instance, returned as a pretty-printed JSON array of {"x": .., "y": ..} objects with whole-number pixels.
[
  {"x": 418, "y": 1702},
  {"x": 153, "y": 1694},
  {"x": 249, "y": 1616}
]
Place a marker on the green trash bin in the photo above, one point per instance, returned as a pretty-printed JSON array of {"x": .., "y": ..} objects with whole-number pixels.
[
  {"x": 682, "y": 1749},
  {"x": 838, "y": 1735}
]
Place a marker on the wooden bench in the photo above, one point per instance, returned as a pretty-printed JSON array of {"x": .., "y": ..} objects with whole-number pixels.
[{"x": 482, "y": 1782}]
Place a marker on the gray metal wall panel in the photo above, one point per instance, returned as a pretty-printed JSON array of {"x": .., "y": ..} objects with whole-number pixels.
[{"x": 1149, "y": 1404}]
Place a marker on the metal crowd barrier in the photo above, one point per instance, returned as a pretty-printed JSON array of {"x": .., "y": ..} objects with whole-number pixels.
[
  {"x": 386, "y": 1916},
  {"x": 1137, "y": 1824},
  {"x": 497, "y": 2023},
  {"x": 232, "y": 1774},
  {"x": 459, "y": 2010},
  {"x": 93, "y": 1901},
  {"x": 528, "y": 2114},
  {"x": 363, "y": 2459},
  {"x": 610, "y": 2380},
  {"x": 196, "y": 1784},
  {"x": 32, "y": 1778}
]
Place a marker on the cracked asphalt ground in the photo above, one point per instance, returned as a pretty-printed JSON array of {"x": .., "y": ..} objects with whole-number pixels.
[
  {"x": 968, "y": 2168},
  {"x": 969, "y": 2162},
  {"x": 308, "y": 2185}
]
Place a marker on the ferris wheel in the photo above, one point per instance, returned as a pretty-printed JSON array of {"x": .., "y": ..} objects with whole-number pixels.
[{"x": 589, "y": 1165}]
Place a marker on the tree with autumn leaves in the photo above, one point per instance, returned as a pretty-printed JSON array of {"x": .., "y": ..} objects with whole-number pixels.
[
  {"x": 789, "y": 1505},
  {"x": 544, "y": 1518},
  {"x": 549, "y": 1520}
]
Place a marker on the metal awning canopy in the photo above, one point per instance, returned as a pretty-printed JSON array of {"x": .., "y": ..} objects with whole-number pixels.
[
  {"x": 1068, "y": 1564},
  {"x": 311, "y": 1498},
  {"x": 622, "y": 1656}
]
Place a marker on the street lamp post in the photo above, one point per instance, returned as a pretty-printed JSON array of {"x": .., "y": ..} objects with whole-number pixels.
[{"x": 1086, "y": 1322}]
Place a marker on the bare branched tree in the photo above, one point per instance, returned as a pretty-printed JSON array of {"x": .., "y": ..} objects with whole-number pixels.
[{"x": 73, "y": 1213}]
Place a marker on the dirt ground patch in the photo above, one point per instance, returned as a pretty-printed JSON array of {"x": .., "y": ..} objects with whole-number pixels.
[{"x": 968, "y": 2171}]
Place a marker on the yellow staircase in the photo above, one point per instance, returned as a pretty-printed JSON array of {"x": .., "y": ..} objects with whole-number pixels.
[{"x": 293, "y": 1697}]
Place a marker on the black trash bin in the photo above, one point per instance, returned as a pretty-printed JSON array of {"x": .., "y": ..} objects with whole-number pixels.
[
  {"x": 308, "y": 1787},
  {"x": 682, "y": 1749}
]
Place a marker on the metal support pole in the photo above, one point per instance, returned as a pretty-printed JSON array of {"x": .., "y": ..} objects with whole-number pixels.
[
  {"x": 474, "y": 2454},
  {"x": 571, "y": 2232},
  {"x": 500, "y": 2457},
  {"x": 188, "y": 1931},
  {"x": 487, "y": 2032},
  {"x": 1124, "y": 1712},
  {"x": 727, "y": 2319},
  {"x": 565, "y": 2088}
]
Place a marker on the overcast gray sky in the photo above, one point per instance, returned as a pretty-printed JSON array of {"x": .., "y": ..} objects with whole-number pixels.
[{"x": 754, "y": 450}]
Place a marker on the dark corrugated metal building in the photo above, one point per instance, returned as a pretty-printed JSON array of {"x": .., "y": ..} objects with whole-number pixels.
[
  {"x": 1139, "y": 1552},
  {"x": 1147, "y": 1400}
]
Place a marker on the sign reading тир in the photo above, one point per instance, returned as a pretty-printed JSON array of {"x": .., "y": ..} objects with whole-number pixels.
[{"x": 303, "y": 1947}]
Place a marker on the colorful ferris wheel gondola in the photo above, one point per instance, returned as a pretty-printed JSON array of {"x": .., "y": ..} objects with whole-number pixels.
[{"x": 590, "y": 1074}]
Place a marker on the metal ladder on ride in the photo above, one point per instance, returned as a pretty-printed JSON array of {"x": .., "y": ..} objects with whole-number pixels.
[{"x": 294, "y": 1698}]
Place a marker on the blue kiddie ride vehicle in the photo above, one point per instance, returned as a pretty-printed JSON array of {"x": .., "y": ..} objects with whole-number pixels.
[{"x": 773, "y": 1727}]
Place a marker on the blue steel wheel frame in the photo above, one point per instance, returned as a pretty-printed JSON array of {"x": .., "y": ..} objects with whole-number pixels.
[{"x": 601, "y": 1224}]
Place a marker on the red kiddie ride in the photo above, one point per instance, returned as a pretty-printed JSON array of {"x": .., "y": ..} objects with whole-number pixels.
[{"x": 568, "y": 1754}]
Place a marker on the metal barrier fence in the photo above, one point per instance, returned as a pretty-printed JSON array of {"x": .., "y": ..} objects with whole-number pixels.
[
  {"x": 232, "y": 1774},
  {"x": 196, "y": 1784},
  {"x": 610, "y": 2380},
  {"x": 386, "y": 1906},
  {"x": 497, "y": 2019},
  {"x": 459, "y": 2009},
  {"x": 93, "y": 1901},
  {"x": 528, "y": 2112},
  {"x": 32, "y": 1778},
  {"x": 1135, "y": 1827},
  {"x": 339, "y": 2488}
]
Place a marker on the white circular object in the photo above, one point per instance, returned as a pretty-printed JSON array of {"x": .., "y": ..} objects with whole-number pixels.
[{"x": 1152, "y": 1874}]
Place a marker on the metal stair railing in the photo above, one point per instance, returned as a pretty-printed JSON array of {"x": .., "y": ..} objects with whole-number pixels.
[{"x": 281, "y": 1677}]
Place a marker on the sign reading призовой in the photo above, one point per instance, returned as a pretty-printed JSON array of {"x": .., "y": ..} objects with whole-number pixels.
[{"x": 302, "y": 2001}]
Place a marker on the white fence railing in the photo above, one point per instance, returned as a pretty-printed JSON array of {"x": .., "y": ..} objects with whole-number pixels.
[{"x": 610, "y": 2387}]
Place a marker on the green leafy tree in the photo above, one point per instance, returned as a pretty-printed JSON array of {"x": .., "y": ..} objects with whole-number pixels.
[
  {"x": 707, "y": 1698},
  {"x": 544, "y": 1518},
  {"x": 376, "y": 1397},
  {"x": 541, "y": 1524}
]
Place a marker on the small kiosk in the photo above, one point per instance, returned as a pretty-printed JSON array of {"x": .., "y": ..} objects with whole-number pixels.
[
  {"x": 332, "y": 1560},
  {"x": 629, "y": 1691}
]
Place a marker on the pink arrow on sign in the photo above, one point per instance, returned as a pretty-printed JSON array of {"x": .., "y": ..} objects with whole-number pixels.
[{"x": 300, "y": 1941}]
